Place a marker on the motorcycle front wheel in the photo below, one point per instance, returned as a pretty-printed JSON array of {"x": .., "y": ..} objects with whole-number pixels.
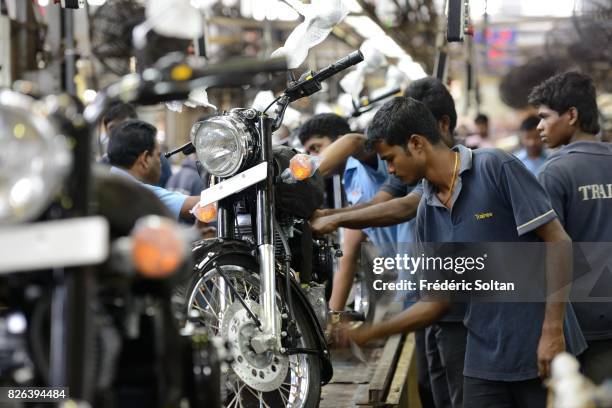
[{"x": 269, "y": 379}]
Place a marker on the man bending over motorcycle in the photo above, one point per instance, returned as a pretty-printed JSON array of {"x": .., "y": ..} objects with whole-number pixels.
[
  {"x": 396, "y": 202},
  {"x": 364, "y": 174},
  {"x": 134, "y": 152}
]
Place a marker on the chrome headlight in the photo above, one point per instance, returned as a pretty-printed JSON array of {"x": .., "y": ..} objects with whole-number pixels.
[
  {"x": 224, "y": 144},
  {"x": 34, "y": 158}
]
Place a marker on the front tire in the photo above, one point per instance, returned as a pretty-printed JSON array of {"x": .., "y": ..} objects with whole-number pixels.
[{"x": 301, "y": 387}]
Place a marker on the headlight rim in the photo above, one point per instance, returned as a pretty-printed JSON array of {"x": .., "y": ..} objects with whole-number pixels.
[
  {"x": 28, "y": 110},
  {"x": 247, "y": 140}
]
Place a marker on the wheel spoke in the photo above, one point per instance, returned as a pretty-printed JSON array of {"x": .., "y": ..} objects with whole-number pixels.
[
  {"x": 233, "y": 401},
  {"x": 282, "y": 395},
  {"x": 216, "y": 285},
  {"x": 262, "y": 400},
  {"x": 285, "y": 388},
  {"x": 211, "y": 308},
  {"x": 247, "y": 289},
  {"x": 293, "y": 389},
  {"x": 231, "y": 385},
  {"x": 256, "y": 395}
]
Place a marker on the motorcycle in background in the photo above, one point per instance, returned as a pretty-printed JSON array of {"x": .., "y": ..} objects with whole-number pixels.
[
  {"x": 86, "y": 278},
  {"x": 87, "y": 274}
]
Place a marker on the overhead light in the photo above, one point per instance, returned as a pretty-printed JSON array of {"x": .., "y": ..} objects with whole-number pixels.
[
  {"x": 267, "y": 9},
  {"x": 368, "y": 29}
]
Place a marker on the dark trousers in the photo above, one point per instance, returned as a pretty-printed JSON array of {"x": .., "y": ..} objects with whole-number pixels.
[
  {"x": 445, "y": 342},
  {"x": 425, "y": 394},
  {"x": 596, "y": 361},
  {"x": 479, "y": 393}
]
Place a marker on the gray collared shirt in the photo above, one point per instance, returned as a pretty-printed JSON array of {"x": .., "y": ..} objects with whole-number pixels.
[
  {"x": 578, "y": 179},
  {"x": 496, "y": 199}
]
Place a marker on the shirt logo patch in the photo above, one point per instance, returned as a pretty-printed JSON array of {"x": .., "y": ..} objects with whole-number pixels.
[
  {"x": 482, "y": 216},
  {"x": 595, "y": 191}
]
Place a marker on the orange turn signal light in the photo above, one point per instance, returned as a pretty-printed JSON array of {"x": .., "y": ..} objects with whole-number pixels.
[
  {"x": 157, "y": 247},
  {"x": 301, "y": 166},
  {"x": 207, "y": 213},
  {"x": 181, "y": 72}
]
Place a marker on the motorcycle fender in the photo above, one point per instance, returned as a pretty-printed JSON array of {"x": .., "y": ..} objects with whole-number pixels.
[
  {"x": 207, "y": 251},
  {"x": 300, "y": 296}
]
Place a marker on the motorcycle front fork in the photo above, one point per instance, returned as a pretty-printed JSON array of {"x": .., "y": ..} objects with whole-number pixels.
[{"x": 269, "y": 336}]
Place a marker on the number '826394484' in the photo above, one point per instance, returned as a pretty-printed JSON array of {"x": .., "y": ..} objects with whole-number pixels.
[{"x": 35, "y": 394}]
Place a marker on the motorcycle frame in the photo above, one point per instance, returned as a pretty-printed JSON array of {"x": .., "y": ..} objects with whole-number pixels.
[{"x": 269, "y": 338}]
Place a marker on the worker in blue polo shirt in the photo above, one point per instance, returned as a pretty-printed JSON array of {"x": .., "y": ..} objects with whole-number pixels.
[
  {"x": 133, "y": 152},
  {"x": 509, "y": 345},
  {"x": 364, "y": 173},
  {"x": 577, "y": 178}
]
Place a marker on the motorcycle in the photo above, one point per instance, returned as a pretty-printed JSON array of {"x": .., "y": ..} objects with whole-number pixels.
[
  {"x": 89, "y": 265},
  {"x": 90, "y": 331},
  {"x": 247, "y": 285}
]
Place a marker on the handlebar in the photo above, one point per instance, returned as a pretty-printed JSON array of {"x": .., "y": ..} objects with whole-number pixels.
[
  {"x": 367, "y": 102},
  {"x": 186, "y": 149},
  {"x": 310, "y": 82},
  {"x": 353, "y": 58},
  {"x": 238, "y": 71},
  {"x": 176, "y": 80}
]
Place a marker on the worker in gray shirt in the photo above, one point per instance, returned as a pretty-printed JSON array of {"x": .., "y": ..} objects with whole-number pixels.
[
  {"x": 578, "y": 179},
  {"x": 509, "y": 344}
]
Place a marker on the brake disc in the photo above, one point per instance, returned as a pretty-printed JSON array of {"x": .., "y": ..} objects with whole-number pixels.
[{"x": 264, "y": 372}]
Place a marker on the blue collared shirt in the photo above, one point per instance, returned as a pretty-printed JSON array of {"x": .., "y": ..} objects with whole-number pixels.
[
  {"x": 397, "y": 188},
  {"x": 578, "y": 179},
  {"x": 173, "y": 200},
  {"x": 361, "y": 183},
  {"x": 502, "y": 337},
  {"x": 533, "y": 165}
]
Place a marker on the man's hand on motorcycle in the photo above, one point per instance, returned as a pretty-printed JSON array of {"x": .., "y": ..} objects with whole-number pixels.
[
  {"x": 322, "y": 224},
  {"x": 323, "y": 212},
  {"x": 342, "y": 334}
]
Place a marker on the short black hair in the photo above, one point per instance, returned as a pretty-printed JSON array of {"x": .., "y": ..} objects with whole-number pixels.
[
  {"x": 323, "y": 124},
  {"x": 570, "y": 89},
  {"x": 129, "y": 140},
  {"x": 400, "y": 118},
  {"x": 481, "y": 118},
  {"x": 435, "y": 96},
  {"x": 119, "y": 111},
  {"x": 530, "y": 123}
]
